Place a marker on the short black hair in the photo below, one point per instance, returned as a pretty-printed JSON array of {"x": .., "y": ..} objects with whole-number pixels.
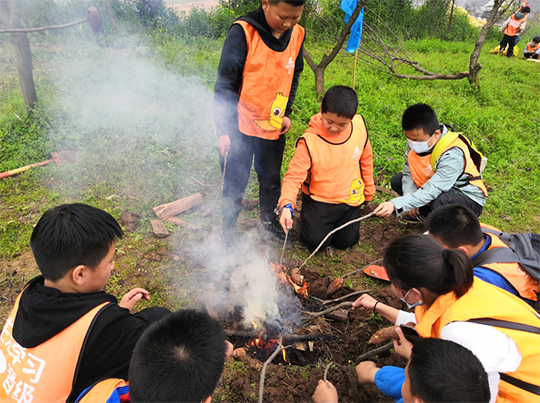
[
  {"x": 178, "y": 359},
  {"x": 444, "y": 371},
  {"x": 454, "y": 225},
  {"x": 70, "y": 235},
  {"x": 294, "y": 3},
  {"x": 536, "y": 39},
  {"x": 420, "y": 116},
  {"x": 341, "y": 100},
  {"x": 525, "y": 9}
]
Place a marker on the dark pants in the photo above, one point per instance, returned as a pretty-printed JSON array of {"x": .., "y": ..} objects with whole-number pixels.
[
  {"x": 268, "y": 157},
  {"x": 453, "y": 196},
  {"x": 319, "y": 218},
  {"x": 511, "y": 42},
  {"x": 533, "y": 56}
]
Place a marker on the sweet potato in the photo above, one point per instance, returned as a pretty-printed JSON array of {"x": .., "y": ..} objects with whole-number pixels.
[
  {"x": 296, "y": 277},
  {"x": 386, "y": 334},
  {"x": 335, "y": 286}
]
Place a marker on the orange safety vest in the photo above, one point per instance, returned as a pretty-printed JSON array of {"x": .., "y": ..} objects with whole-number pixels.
[
  {"x": 530, "y": 49},
  {"x": 513, "y": 25},
  {"x": 266, "y": 83},
  {"x": 335, "y": 175},
  {"x": 484, "y": 300},
  {"x": 524, "y": 284},
  {"x": 44, "y": 373},
  {"x": 102, "y": 391},
  {"x": 423, "y": 167}
]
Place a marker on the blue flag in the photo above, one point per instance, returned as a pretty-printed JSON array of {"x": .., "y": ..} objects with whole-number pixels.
[{"x": 356, "y": 30}]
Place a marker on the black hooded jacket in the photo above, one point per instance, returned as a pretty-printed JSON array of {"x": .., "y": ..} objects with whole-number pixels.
[
  {"x": 231, "y": 67},
  {"x": 44, "y": 312}
]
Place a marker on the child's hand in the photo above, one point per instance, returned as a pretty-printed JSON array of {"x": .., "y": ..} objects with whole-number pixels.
[
  {"x": 129, "y": 300},
  {"x": 229, "y": 349},
  {"x": 285, "y": 127},
  {"x": 325, "y": 393},
  {"x": 384, "y": 209},
  {"x": 286, "y": 220},
  {"x": 365, "y": 371},
  {"x": 414, "y": 212},
  {"x": 365, "y": 303},
  {"x": 224, "y": 144},
  {"x": 403, "y": 347}
]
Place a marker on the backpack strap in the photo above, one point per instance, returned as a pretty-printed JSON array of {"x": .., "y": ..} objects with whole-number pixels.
[
  {"x": 518, "y": 383},
  {"x": 504, "y": 255}
]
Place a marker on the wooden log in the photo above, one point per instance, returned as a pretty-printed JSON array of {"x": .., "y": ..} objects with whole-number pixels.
[
  {"x": 159, "y": 228},
  {"x": 182, "y": 223},
  {"x": 176, "y": 207}
]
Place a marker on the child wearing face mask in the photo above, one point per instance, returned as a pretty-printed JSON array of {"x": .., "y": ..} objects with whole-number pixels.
[{"x": 441, "y": 167}]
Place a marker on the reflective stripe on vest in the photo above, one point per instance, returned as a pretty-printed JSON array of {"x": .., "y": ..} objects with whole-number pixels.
[
  {"x": 422, "y": 167},
  {"x": 502, "y": 306},
  {"x": 112, "y": 390},
  {"x": 266, "y": 83},
  {"x": 524, "y": 284},
  {"x": 335, "y": 175},
  {"x": 44, "y": 373},
  {"x": 513, "y": 25}
]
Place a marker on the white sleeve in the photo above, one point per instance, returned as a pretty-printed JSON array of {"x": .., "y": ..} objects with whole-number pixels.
[
  {"x": 496, "y": 351},
  {"x": 405, "y": 317}
]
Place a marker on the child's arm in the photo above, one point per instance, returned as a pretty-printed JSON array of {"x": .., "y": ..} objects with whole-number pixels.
[
  {"x": 366, "y": 167},
  {"x": 228, "y": 84}
]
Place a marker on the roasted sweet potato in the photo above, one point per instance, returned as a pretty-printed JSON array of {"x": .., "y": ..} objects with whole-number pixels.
[
  {"x": 296, "y": 277},
  {"x": 386, "y": 334},
  {"x": 335, "y": 286}
]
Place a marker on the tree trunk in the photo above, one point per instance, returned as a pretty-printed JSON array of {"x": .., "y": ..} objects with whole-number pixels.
[
  {"x": 474, "y": 66},
  {"x": 11, "y": 18},
  {"x": 451, "y": 15}
]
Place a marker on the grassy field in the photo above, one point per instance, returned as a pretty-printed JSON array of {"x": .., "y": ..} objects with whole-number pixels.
[{"x": 138, "y": 111}]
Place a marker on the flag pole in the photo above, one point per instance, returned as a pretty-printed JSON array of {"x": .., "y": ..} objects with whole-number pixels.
[{"x": 354, "y": 69}]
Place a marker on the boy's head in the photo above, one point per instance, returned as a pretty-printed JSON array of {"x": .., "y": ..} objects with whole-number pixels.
[
  {"x": 74, "y": 235},
  {"x": 536, "y": 40},
  {"x": 454, "y": 225},
  {"x": 526, "y": 10},
  {"x": 178, "y": 359},
  {"x": 338, "y": 108},
  {"x": 421, "y": 127},
  {"x": 444, "y": 371},
  {"x": 282, "y": 15}
]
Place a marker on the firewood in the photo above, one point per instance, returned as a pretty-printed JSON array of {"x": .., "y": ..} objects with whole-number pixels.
[
  {"x": 182, "y": 223},
  {"x": 176, "y": 207},
  {"x": 159, "y": 228}
]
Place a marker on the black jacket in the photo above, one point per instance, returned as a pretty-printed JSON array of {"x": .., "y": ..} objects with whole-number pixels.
[
  {"x": 231, "y": 67},
  {"x": 44, "y": 312}
]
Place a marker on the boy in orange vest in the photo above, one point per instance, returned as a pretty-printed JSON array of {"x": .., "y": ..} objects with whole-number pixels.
[
  {"x": 333, "y": 163},
  {"x": 513, "y": 27},
  {"x": 64, "y": 332},
  {"x": 440, "y": 168},
  {"x": 178, "y": 359},
  {"x": 457, "y": 227},
  {"x": 438, "y": 371},
  {"x": 532, "y": 49},
  {"x": 258, "y": 74}
]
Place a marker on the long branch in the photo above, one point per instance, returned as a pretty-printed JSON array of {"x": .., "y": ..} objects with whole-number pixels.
[
  {"x": 71, "y": 24},
  {"x": 263, "y": 372},
  {"x": 312, "y": 315}
]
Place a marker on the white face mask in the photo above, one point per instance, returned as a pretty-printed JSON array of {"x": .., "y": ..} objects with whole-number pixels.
[
  {"x": 420, "y": 147},
  {"x": 413, "y": 305}
]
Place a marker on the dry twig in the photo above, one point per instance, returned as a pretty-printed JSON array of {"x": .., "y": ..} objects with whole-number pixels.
[
  {"x": 345, "y": 297},
  {"x": 313, "y": 315},
  {"x": 371, "y": 353},
  {"x": 268, "y": 361}
]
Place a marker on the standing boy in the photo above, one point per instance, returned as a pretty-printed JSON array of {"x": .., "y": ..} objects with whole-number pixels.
[
  {"x": 333, "y": 163},
  {"x": 532, "y": 49},
  {"x": 513, "y": 27},
  {"x": 441, "y": 167},
  {"x": 64, "y": 332},
  {"x": 258, "y": 74}
]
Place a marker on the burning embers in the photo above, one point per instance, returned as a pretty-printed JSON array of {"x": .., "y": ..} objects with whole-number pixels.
[{"x": 295, "y": 279}]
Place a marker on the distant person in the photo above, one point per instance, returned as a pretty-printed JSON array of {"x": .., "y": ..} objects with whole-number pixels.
[
  {"x": 333, "y": 163},
  {"x": 441, "y": 167},
  {"x": 178, "y": 359},
  {"x": 64, "y": 332},
  {"x": 438, "y": 371},
  {"x": 457, "y": 227},
  {"x": 512, "y": 28},
  {"x": 257, "y": 79},
  {"x": 532, "y": 49}
]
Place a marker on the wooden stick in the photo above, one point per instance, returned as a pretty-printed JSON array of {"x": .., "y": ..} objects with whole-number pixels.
[
  {"x": 334, "y": 231},
  {"x": 345, "y": 297},
  {"x": 377, "y": 351},
  {"x": 268, "y": 361},
  {"x": 354, "y": 69},
  {"x": 365, "y": 267},
  {"x": 326, "y": 370},
  {"x": 178, "y": 206},
  {"x": 312, "y": 315},
  {"x": 283, "y": 249},
  {"x": 71, "y": 24}
]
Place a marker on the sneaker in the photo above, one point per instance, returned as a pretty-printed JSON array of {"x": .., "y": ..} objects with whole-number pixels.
[
  {"x": 412, "y": 220},
  {"x": 272, "y": 231},
  {"x": 228, "y": 236}
]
